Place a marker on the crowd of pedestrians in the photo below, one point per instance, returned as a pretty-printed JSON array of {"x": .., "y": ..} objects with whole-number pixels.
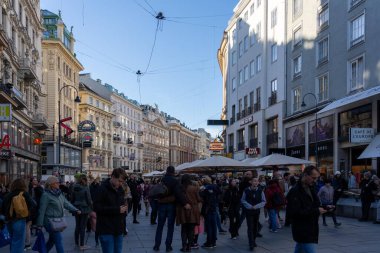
[{"x": 199, "y": 204}]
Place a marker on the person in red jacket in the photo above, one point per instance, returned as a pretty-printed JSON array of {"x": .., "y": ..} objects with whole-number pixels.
[{"x": 275, "y": 200}]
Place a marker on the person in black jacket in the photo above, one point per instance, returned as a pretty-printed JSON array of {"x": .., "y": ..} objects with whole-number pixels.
[
  {"x": 111, "y": 209},
  {"x": 167, "y": 207},
  {"x": 133, "y": 184},
  {"x": 366, "y": 196},
  {"x": 304, "y": 208},
  {"x": 232, "y": 202}
]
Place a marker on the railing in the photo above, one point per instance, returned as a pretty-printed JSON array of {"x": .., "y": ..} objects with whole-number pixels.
[
  {"x": 116, "y": 138},
  {"x": 241, "y": 146},
  {"x": 243, "y": 113},
  {"x": 232, "y": 120},
  {"x": 256, "y": 107},
  {"x": 249, "y": 110},
  {"x": 253, "y": 143},
  {"x": 322, "y": 60},
  {"x": 140, "y": 133},
  {"x": 238, "y": 116},
  {"x": 272, "y": 138},
  {"x": 272, "y": 99}
]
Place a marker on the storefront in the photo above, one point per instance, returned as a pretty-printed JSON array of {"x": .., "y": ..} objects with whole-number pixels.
[
  {"x": 295, "y": 144},
  {"x": 321, "y": 142}
]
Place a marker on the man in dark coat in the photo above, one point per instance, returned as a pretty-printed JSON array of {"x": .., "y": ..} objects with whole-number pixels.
[
  {"x": 167, "y": 207},
  {"x": 111, "y": 209},
  {"x": 304, "y": 207},
  {"x": 133, "y": 184}
]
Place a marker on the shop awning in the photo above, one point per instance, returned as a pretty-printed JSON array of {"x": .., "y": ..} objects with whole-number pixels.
[
  {"x": 351, "y": 99},
  {"x": 373, "y": 149}
]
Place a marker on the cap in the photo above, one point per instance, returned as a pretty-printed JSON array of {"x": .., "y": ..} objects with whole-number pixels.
[{"x": 337, "y": 172}]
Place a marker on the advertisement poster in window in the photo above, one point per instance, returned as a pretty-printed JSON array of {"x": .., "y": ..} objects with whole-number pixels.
[
  {"x": 295, "y": 136},
  {"x": 324, "y": 129}
]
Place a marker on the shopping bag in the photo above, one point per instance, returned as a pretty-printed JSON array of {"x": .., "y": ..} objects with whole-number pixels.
[
  {"x": 5, "y": 237},
  {"x": 40, "y": 245}
]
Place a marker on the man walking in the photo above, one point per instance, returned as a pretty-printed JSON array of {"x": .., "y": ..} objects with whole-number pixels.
[
  {"x": 166, "y": 208},
  {"x": 133, "y": 184},
  {"x": 111, "y": 209},
  {"x": 304, "y": 207}
]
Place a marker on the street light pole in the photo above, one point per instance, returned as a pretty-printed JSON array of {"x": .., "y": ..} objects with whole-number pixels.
[
  {"x": 76, "y": 100},
  {"x": 316, "y": 129}
]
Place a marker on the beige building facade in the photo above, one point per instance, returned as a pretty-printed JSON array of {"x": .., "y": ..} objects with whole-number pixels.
[
  {"x": 21, "y": 88},
  {"x": 155, "y": 139},
  {"x": 98, "y": 159},
  {"x": 61, "y": 76}
]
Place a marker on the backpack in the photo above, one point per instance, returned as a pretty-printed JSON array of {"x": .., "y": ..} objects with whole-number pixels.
[
  {"x": 19, "y": 206},
  {"x": 277, "y": 199},
  {"x": 159, "y": 190}
]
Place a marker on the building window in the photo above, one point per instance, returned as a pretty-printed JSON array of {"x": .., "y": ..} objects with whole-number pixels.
[
  {"x": 274, "y": 53},
  {"x": 241, "y": 77},
  {"x": 273, "y": 18},
  {"x": 252, "y": 38},
  {"x": 323, "y": 50},
  {"x": 241, "y": 49},
  {"x": 246, "y": 73},
  {"x": 258, "y": 31},
  {"x": 251, "y": 98},
  {"x": 273, "y": 86},
  {"x": 252, "y": 68},
  {"x": 258, "y": 63},
  {"x": 234, "y": 36},
  {"x": 323, "y": 16},
  {"x": 296, "y": 99},
  {"x": 252, "y": 8},
  {"x": 297, "y": 66},
  {"x": 258, "y": 3},
  {"x": 246, "y": 16},
  {"x": 246, "y": 43},
  {"x": 353, "y": 3},
  {"x": 297, "y": 8},
  {"x": 233, "y": 84},
  {"x": 297, "y": 36},
  {"x": 258, "y": 99},
  {"x": 90, "y": 100},
  {"x": 241, "y": 136},
  {"x": 323, "y": 86},
  {"x": 357, "y": 29},
  {"x": 233, "y": 58},
  {"x": 357, "y": 73}
]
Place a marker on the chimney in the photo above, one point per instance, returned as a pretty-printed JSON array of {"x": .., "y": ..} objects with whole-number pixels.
[{"x": 99, "y": 81}]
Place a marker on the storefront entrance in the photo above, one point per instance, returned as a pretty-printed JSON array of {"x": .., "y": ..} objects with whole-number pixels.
[{"x": 359, "y": 165}]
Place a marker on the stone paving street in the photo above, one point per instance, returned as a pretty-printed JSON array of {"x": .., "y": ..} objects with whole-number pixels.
[{"x": 352, "y": 236}]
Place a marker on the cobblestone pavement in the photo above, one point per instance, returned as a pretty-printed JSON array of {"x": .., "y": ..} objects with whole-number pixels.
[{"x": 352, "y": 236}]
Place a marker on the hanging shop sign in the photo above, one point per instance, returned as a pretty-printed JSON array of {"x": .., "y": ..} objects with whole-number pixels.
[
  {"x": 5, "y": 112},
  {"x": 246, "y": 121},
  {"x": 361, "y": 135},
  {"x": 216, "y": 146},
  {"x": 252, "y": 151},
  {"x": 86, "y": 126}
]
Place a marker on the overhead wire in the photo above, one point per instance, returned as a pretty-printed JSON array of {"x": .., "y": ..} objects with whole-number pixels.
[{"x": 150, "y": 6}]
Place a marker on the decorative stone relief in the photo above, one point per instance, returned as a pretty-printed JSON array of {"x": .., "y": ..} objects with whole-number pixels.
[{"x": 51, "y": 59}]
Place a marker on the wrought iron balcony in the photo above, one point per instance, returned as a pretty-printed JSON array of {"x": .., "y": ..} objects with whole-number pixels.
[
  {"x": 116, "y": 138},
  {"x": 140, "y": 145},
  {"x": 238, "y": 116},
  {"x": 232, "y": 120},
  {"x": 39, "y": 122},
  {"x": 140, "y": 133},
  {"x": 27, "y": 69},
  {"x": 272, "y": 99},
  {"x": 272, "y": 138}
]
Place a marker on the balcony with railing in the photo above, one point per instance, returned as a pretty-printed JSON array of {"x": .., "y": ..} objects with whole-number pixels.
[
  {"x": 272, "y": 99},
  {"x": 39, "y": 122},
  {"x": 243, "y": 113},
  {"x": 27, "y": 69},
  {"x": 253, "y": 143},
  {"x": 249, "y": 110},
  {"x": 272, "y": 138},
  {"x": 19, "y": 98},
  {"x": 257, "y": 107},
  {"x": 116, "y": 124},
  {"x": 238, "y": 116},
  {"x": 116, "y": 138}
]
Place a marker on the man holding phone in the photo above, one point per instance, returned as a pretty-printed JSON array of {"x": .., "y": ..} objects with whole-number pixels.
[
  {"x": 111, "y": 209},
  {"x": 326, "y": 196}
]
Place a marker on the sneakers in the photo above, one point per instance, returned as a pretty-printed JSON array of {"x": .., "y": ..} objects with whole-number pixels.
[
  {"x": 84, "y": 247},
  {"x": 136, "y": 222},
  {"x": 273, "y": 231},
  {"x": 27, "y": 247},
  {"x": 337, "y": 224},
  {"x": 233, "y": 238},
  {"x": 222, "y": 231},
  {"x": 208, "y": 246},
  {"x": 156, "y": 248},
  {"x": 195, "y": 246}
]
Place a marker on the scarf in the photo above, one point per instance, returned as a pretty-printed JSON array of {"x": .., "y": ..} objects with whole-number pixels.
[{"x": 54, "y": 192}]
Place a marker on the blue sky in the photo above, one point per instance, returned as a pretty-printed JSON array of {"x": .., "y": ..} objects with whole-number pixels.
[{"x": 115, "y": 39}]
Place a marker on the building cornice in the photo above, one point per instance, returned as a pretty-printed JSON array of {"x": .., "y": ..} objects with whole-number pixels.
[{"x": 56, "y": 43}]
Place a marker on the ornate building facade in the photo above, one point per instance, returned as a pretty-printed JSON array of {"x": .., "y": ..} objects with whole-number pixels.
[
  {"x": 21, "y": 88},
  {"x": 156, "y": 139},
  {"x": 61, "y": 76},
  {"x": 96, "y": 107}
]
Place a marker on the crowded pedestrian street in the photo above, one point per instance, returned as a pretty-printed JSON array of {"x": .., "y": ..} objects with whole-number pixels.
[{"x": 352, "y": 236}]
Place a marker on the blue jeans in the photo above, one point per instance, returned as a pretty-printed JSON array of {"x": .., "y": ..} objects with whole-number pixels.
[
  {"x": 54, "y": 238},
  {"x": 17, "y": 232},
  {"x": 211, "y": 227},
  {"x": 272, "y": 219},
  {"x": 304, "y": 248},
  {"x": 165, "y": 211},
  {"x": 111, "y": 243}
]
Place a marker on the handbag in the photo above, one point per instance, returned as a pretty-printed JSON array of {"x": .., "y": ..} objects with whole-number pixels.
[
  {"x": 58, "y": 224},
  {"x": 5, "y": 237},
  {"x": 40, "y": 245}
]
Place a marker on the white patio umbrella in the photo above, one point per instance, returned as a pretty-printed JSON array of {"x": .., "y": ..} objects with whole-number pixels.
[
  {"x": 279, "y": 160},
  {"x": 249, "y": 160},
  {"x": 155, "y": 173},
  {"x": 372, "y": 150},
  {"x": 183, "y": 166},
  {"x": 216, "y": 164}
]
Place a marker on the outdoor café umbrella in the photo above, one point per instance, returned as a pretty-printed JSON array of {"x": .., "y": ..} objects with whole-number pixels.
[
  {"x": 155, "y": 173},
  {"x": 279, "y": 160},
  {"x": 372, "y": 150},
  {"x": 216, "y": 164}
]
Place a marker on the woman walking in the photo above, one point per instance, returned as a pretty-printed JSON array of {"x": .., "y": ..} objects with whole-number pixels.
[
  {"x": 189, "y": 215},
  {"x": 81, "y": 199},
  {"x": 52, "y": 204},
  {"x": 232, "y": 202},
  {"x": 16, "y": 207}
]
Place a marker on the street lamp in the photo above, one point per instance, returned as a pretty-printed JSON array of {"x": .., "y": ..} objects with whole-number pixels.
[
  {"x": 76, "y": 100},
  {"x": 316, "y": 129}
]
